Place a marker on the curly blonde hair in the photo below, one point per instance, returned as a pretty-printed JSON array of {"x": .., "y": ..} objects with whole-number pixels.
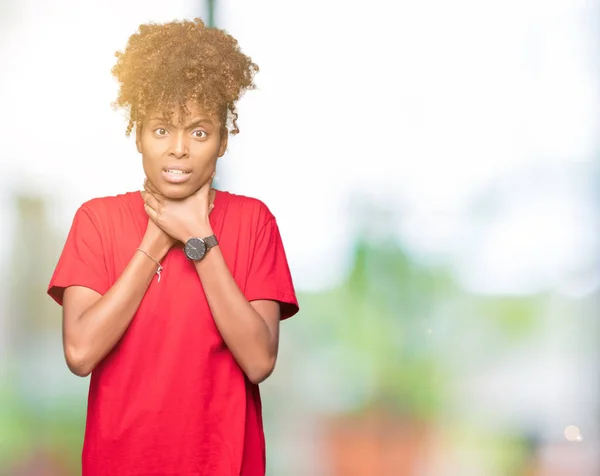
[{"x": 165, "y": 66}]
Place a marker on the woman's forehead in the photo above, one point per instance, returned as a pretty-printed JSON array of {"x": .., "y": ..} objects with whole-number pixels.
[{"x": 183, "y": 114}]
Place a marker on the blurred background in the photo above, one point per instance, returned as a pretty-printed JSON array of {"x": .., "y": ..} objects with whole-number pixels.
[{"x": 446, "y": 156}]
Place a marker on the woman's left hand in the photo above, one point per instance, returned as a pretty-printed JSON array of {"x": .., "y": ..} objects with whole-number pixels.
[{"x": 182, "y": 219}]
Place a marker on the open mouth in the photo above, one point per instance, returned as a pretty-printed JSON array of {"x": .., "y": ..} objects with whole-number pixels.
[
  {"x": 176, "y": 175},
  {"x": 177, "y": 171}
]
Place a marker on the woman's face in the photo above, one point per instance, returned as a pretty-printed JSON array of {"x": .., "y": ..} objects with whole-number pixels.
[{"x": 180, "y": 155}]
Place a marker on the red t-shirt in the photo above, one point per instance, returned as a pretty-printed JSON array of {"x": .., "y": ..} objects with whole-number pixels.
[{"x": 170, "y": 399}]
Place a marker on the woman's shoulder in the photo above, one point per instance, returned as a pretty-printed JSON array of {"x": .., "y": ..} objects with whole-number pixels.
[
  {"x": 243, "y": 207},
  {"x": 110, "y": 205}
]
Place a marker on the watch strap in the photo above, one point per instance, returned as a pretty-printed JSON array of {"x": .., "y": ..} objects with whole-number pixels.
[{"x": 210, "y": 241}]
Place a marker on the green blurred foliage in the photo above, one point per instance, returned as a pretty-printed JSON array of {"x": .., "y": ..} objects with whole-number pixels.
[{"x": 396, "y": 318}]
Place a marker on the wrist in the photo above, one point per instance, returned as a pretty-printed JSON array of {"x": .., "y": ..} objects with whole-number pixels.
[
  {"x": 156, "y": 250},
  {"x": 201, "y": 231}
]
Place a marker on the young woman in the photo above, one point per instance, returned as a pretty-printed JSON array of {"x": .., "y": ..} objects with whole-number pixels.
[{"x": 172, "y": 296}]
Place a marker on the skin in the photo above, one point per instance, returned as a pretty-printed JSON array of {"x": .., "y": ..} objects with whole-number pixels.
[
  {"x": 194, "y": 142},
  {"x": 93, "y": 324}
]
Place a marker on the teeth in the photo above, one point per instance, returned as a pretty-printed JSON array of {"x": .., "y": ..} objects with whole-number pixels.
[{"x": 172, "y": 171}]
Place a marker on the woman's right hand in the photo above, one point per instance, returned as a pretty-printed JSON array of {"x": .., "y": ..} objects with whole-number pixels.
[{"x": 156, "y": 242}]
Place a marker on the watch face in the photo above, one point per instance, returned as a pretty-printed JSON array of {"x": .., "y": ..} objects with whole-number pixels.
[{"x": 195, "y": 249}]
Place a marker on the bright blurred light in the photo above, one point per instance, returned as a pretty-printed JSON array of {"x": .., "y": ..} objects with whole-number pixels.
[{"x": 572, "y": 433}]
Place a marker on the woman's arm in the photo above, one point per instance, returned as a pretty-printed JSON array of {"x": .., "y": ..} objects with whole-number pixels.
[
  {"x": 92, "y": 323},
  {"x": 250, "y": 330}
]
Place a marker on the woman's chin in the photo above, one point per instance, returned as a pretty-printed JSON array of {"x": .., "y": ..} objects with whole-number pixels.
[{"x": 176, "y": 192}]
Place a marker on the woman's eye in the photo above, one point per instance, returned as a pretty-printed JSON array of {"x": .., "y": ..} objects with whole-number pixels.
[
  {"x": 160, "y": 131},
  {"x": 199, "y": 134}
]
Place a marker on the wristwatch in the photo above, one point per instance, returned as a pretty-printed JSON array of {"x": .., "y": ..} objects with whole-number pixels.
[{"x": 196, "y": 248}]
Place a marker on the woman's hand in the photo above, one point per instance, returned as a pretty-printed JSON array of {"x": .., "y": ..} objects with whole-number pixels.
[{"x": 181, "y": 219}]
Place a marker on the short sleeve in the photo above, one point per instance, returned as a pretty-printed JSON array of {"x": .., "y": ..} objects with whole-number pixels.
[
  {"x": 82, "y": 260},
  {"x": 269, "y": 276}
]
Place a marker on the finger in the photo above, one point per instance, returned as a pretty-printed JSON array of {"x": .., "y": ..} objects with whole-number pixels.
[
  {"x": 151, "y": 213},
  {"x": 151, "y": 201},
  {"x": 154, "y": 201}
]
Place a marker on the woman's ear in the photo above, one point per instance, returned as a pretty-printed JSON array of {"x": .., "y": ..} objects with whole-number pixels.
[
  {"x": 224, "y": 141},
  {"x": 138, "y": 137}
]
